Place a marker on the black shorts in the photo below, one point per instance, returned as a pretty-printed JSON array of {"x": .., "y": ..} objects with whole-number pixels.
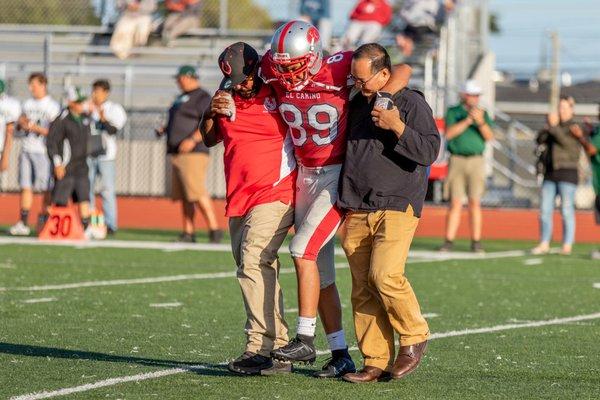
[
  {"x": 597, "y": 209},
  {"x": 75, "y": 187}
]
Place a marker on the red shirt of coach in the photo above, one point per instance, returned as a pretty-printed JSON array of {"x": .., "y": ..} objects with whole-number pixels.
[{"x": 260, "y": 171}]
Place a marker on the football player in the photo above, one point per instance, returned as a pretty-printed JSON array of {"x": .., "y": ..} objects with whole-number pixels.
[{"x": 313, "y": 94}]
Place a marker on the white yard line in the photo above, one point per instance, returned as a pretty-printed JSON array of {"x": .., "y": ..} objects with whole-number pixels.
[
  {"x": 216, "y": 275},
  {"x": 166, "y": 305},
  {"x": 597, "y": 285},
  {"x": 175, "y": 371},
  {"x": 225, "y": 247},
  {"x": 533, "y": 261},
  {"x": 41, "y": 300}
]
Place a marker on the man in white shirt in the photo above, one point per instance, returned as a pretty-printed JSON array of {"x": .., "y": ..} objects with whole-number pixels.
[
  {"x": 34, "y": 165},
  {"x": 10, "y": 110},
  {"x": 109, "y": 117}
]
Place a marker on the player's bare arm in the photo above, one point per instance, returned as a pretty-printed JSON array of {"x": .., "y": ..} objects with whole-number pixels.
[
  {"x": 399, "y": 79},
  {"x": 458, "y": 128},
  {"x": 219, "y": 106},
  {"x": 8, "y": 139}
]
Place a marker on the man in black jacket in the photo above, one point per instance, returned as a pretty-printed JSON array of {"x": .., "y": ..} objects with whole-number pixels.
[
  {"x": 67, "y": 144},
  {"x": 189, "y": 155},
  {"x": 382, "y": 188}
]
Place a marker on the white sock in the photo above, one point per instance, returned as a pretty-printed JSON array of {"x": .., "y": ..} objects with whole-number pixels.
[
  {"x": 337, "y": 340},
  {"x": 306, "y": 326}
]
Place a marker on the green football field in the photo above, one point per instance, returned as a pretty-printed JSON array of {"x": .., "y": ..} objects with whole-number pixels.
[{"x": 132, "y": 323}]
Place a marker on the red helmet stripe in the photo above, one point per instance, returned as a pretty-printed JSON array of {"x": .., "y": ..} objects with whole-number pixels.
[{"x": 283, "y": 34}]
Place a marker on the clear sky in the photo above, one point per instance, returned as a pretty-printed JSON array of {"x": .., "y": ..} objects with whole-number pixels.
[{"x": 524, "y": 24}]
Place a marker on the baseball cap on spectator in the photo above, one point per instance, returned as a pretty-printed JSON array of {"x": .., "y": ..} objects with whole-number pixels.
[
  {"x": 237, "y": 62},
  {"x": 187, "y": 70},
  {"x": 471, "y": 88},
  {"x": 2, "y": 86},
  {"x": 75, "y": 94}
]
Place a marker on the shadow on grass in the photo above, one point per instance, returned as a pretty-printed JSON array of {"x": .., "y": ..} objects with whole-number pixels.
[{"x": 52, "y": 352}]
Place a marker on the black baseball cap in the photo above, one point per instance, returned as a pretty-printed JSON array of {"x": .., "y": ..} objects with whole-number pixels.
[{"x": 237, "y": 62}]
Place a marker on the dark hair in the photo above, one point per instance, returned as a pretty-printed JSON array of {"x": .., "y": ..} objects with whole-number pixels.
[
  {"x": 39, "y": 76},
  {"x": 103, "y": 84},
  {"x": 376, "y": 53}
]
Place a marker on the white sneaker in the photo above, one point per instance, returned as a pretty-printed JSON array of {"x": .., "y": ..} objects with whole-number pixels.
[
  {"x": 89, "y": 232},
  {"x": 19, "y": 229},
  {"x": 540, "y": 249}
]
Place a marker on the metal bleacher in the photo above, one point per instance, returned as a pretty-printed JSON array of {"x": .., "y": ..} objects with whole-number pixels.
[{"x": 81, "y": 54}]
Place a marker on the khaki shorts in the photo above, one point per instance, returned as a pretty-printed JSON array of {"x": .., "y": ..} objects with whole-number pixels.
[
  {"x": 466, "y": 177},
  {"x": 189, "y": 176}
]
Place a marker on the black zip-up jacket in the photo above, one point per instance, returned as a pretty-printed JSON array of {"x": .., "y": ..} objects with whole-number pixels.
[
  {"x": 67, "y": 142},
  {"x": 382, "y": 172}
]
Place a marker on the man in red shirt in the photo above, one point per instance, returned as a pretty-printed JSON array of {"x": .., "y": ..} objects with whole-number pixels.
[
  {"x": 367, "y": 20},
  {"x": 260, "y": 172}
]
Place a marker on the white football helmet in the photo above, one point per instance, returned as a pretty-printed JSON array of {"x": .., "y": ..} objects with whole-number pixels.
[{"x": 297, "y": 53}]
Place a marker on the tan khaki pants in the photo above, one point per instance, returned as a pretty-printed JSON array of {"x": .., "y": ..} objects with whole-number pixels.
[
  {"x": 383, "y": 301},
  {"x": 255, "y": 240},
  {"x": 130, "y": 31},
  {"x": 466, "y": 177}
]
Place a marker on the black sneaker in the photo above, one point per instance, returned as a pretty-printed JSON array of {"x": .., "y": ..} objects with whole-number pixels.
[
  {"x": 301, "y": 348},
  {"x": 278, "y": 368},
  {"x": 250, "y": 364},
  {"x": 447, "y": 246},
  {"x": 476, "y": 247},
  {"x": 215, "y": 236},
  {"x": 337, "y": 366},
  {"x": 110, "y": 231},
  {"x": 186, "y": 238}
]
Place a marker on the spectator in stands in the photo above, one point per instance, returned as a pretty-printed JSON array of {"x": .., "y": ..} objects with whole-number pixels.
[
  {"x": 106, "y": 11},
  {"x": 318, "y": 13},
  {"x": 108, "y": 118},
  {"x": 134, "y": 26},
  {"x": 189, "y": 155},
  {"x": 367, "y": 20},
  {"x": 592, "y": 149},
  {"x": 468, "y": 128},
  {"x": 34, "y": 166},
  {"x": 10, "y": 111},
  {"x": 560, "y": 162},
  {"x": 422, "y": 19},
  {"x": 68, "y": 148},
  {"x": 183, "y": 15}
]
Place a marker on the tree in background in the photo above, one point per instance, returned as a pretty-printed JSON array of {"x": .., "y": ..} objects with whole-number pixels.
[
  {"x": 47, "y": 12},
  {"x": 242, "y": 14}
]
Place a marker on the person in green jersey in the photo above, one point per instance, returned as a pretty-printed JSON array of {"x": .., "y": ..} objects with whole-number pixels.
[{"x": 592, "y": 148}]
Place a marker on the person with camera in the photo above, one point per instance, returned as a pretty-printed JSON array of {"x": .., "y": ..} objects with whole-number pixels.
[{"x": 391, "y": 143}]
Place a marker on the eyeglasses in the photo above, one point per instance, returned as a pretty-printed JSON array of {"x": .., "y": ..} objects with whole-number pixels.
[{"x": 361, "y": 83}]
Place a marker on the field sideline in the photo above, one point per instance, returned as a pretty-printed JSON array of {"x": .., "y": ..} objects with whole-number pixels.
[{"x": 120, "y": 321}]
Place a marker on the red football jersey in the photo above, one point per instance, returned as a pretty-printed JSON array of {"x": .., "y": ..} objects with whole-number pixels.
[
  {"x": 259, "y": 159},
  {"x": 316, "y": 113}
]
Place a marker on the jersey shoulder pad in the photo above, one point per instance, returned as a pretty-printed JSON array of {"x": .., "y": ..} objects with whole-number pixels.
[
  {"x": 265, "y": 71},
  {"x": 337, "y": 68}
]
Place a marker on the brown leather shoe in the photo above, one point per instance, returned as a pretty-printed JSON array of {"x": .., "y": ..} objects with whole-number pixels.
[
  {"x": 366, "y": 375},
  {"x": 408, "y": 359}
]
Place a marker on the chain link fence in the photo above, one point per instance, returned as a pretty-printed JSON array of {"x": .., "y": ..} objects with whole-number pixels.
[
  {"x": 143, "y": 167},
  {"x": 222, "y": 14}
]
